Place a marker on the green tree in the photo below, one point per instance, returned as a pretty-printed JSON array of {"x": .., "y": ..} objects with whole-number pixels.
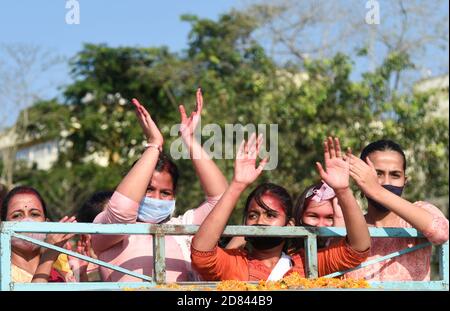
[{"x": 241, "y": 84}]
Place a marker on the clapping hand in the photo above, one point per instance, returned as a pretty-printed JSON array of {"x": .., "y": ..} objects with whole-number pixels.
[
  {"x": 151, "y": 131},
  {"x": 188, "y": 125}
]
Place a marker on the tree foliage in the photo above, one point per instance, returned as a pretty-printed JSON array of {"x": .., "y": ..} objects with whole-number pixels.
[{"x": 242, "y": 84}]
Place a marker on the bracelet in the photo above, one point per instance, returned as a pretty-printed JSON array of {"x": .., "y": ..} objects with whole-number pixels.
[{"x": 156, "y": 146}]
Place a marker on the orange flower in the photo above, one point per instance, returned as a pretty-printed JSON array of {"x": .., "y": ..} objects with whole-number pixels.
[{"x": 292, "y": 281}]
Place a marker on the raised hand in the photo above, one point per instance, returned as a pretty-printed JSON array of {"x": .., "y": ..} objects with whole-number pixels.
[
  {"x": 83, "y": 248},
  {"x": 337, "y": 168},
  {"x": 151, "y": 131},
  {"x": 48, "y": 256},
  {"x": 79, "y": 266},
  {"x": 211, "y": 178},
  {"x": 188, "y": 125},
  {"x": 59, "y": 239},
  {"x": 364, "y": 174},
  {"x": 245, "y": 170}
]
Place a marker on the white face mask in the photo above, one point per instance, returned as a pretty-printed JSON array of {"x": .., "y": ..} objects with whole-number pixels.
[
  {"x": 26, "y": 246},
  {"x": 154, "y": 211}
]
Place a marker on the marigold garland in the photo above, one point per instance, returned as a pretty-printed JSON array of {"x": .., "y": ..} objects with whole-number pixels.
[{"x": 292, "y": 281}]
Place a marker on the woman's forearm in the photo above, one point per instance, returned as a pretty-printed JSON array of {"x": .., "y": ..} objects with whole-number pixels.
[
  {"x": 357, "y": 231},
  {"x": 211, "y": 178},
  {"x": 414, "y": 215},
  {"x": 134, "y": 184},
  {"x": 213, "y": 226},
  {"x": 45, "y": 267},
  {"x": 236, "y": 242}
]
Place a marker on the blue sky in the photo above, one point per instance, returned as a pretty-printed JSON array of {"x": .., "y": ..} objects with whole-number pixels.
[
  {"x": 131, "y": 22},
  {"x": 116, "y": 22}
]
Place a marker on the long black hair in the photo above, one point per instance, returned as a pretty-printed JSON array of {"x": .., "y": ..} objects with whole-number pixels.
[
  {"x": 93, "y": 206},
  {"x": 165, "y": 164},
  {"x": 269, "y": 188},
  {"x": 383, "y": 145},
  {"x": 21, "y": 190}
]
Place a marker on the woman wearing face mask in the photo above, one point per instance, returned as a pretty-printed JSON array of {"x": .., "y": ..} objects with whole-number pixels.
[
  {"x": 380, "y": 174},
  {"x": 147, "y": 194},
  {"x": 28, "y": 263},
  {"x": 317, "y": 206},
  {"x": 270, "y": 205}
]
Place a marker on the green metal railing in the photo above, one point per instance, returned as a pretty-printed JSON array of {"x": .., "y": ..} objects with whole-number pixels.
[{"x": 13, "y": 229}]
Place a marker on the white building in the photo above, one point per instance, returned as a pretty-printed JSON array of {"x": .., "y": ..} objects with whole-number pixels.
[{"x": 42, "y": 154}]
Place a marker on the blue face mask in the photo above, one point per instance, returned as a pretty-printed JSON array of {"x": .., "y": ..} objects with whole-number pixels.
[{"x": 154, "y": 211}]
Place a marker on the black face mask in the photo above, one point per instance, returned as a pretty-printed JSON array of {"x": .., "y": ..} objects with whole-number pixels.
[
  {"x": 322, "y": 242},
  {"x": 394, "y": 189},
  {"x": 262, "y": 242}
]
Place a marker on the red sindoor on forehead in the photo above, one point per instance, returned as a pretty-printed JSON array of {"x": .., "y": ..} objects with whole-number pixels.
[{"x": 272, "y": 202}]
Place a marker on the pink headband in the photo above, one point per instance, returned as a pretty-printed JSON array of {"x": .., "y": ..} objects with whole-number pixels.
[{"x": 324, "y": 193}]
